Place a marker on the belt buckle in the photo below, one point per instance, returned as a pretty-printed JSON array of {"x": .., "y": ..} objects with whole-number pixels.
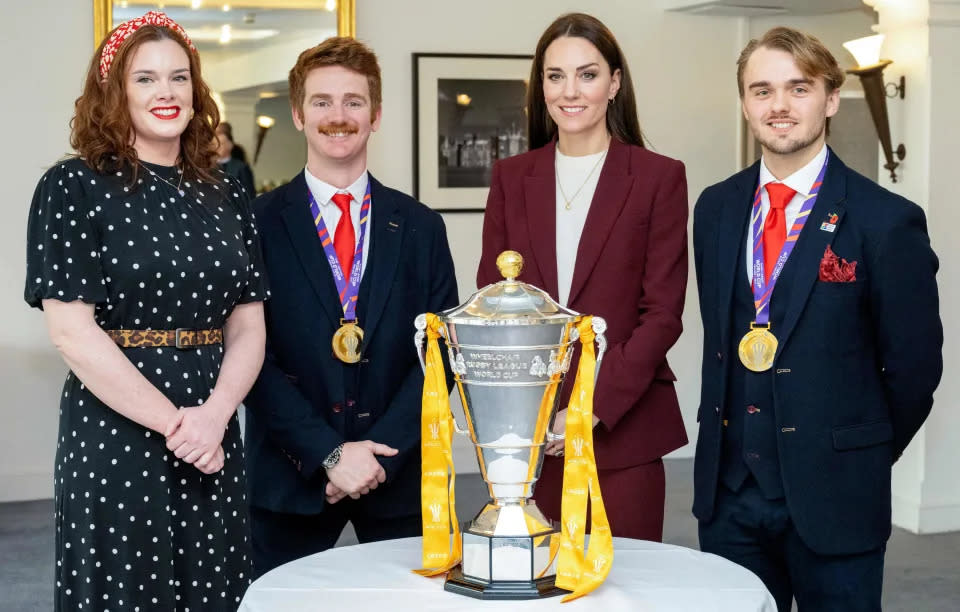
[{"x": 176, "y": 338}]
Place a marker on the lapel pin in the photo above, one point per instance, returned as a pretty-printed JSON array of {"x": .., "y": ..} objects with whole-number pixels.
[{"x": 831, "y": 223}]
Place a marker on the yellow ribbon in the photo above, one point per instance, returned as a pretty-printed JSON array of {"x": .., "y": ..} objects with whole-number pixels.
[
  {"x": 441, "y": 552},
  {"x": 577, "y": 572}
]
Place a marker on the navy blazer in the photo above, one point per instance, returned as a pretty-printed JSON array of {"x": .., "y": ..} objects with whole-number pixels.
[
  {"x": 305, "y": 402},
  {"x": 857, "y": 363}
]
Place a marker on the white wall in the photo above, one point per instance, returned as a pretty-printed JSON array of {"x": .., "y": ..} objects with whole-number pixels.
[
  {"x": 38, "y": 103},
  {"x": 686, "y": 94},
  {"x": 923, "y": 39}
]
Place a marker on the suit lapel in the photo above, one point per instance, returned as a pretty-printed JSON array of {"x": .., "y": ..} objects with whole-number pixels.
[
  {"x": 731, "y": 240},
  {"x": 613, "y": 187},
  {"x": 303, "y": 234},
  {"x": 540, "y": 203},
  {"x": 812, "y": 243},
  {"x": 386, "y": 237}
]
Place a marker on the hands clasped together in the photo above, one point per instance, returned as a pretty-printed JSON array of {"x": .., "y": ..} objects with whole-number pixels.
[
  {"x": 196, "y": 433},
  {"x": 358, "y": 472}
]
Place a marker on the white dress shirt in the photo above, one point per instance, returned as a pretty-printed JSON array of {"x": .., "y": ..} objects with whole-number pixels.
[
  {"x": 573, "y": 173},
  {"x": 323, "y": 193},
  {"x": 800, "y": 181}
]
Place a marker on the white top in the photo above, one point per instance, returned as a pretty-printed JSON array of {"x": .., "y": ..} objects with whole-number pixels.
[
  {"x": 323, "y": 193},
  {"x": 800, "y": 181},
  {"x": 572, "y": 172},
  {"x": 377, "y": 576}
]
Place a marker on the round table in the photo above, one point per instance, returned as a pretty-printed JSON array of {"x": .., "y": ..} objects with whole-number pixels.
[{"x": 377, "y": 576}]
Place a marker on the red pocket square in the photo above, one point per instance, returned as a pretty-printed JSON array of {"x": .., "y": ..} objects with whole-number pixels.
[{"x": 833, "y": 269}]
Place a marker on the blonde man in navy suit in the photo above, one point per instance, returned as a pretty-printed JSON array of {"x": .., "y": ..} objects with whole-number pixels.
[{"x": 822, "y": 343}]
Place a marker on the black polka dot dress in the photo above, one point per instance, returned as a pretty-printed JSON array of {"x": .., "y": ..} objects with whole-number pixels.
[{"x": 136, "y": 529}]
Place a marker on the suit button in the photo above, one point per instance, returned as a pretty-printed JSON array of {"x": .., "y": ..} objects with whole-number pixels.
[
  {"x": 338, "y": 407},
  {"x": 716, "y": 409},
  {"x": 719, "y": 356},
  {"x": 751, "y": 409}
]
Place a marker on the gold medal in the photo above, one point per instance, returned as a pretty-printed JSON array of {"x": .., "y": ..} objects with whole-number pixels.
[
  {"x": 348, "y": 342},
  {"x": 757, "y": 348}
]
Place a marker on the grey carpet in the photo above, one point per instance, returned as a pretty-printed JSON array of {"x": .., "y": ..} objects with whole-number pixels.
[{"x": 922, "y": 572}]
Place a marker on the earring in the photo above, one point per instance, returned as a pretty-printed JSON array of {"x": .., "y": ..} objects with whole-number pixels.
[{"x": 192, "y": 113}]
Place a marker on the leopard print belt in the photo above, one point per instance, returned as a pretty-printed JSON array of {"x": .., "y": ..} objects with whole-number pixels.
[{"x": 181, "y": 338}]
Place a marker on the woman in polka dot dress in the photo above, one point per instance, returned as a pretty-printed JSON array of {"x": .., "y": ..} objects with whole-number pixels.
[{"x": 138, "y": 233}]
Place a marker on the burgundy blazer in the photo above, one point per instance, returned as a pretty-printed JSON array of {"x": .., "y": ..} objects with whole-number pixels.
[{"x": 631, "y": 269}]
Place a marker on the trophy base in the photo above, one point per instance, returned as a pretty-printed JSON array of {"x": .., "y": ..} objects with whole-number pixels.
[{"x": 501, "y": 589}]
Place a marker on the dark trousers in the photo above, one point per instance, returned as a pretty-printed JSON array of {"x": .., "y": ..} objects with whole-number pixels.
[
  {"x": 279, "y": 538},
  {"x": 757, "y": 533}
]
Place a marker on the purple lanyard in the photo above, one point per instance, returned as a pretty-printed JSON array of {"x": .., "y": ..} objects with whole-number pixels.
[
  {"x": 763, "y": 290},
  {"x": 348, "y": 290}
]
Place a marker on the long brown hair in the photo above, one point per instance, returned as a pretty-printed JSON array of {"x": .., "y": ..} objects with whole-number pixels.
[
  {"x": 622, "y": 120},
  {"x": 102, "y": 131}
]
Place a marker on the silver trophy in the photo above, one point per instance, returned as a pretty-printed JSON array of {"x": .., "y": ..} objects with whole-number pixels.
[{"x": 509, "y": 346}]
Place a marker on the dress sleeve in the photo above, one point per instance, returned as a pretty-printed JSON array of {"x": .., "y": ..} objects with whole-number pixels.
[
  {"x": 63, "y": 246},
  {"x": 257, "y": 288}
]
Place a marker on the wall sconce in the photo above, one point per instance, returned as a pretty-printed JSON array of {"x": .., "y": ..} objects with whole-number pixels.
[
  {"x": 265, "y": 122},
  {"x": 870, "y": 70}
]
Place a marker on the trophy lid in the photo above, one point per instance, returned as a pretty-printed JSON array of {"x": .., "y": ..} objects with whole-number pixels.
[{"x": 509, "y": 302}]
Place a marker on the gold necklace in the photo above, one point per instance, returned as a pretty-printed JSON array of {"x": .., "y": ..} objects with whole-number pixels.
[
  {"x": 569, "y": 201},
  {"x": 177, "y": 186}
]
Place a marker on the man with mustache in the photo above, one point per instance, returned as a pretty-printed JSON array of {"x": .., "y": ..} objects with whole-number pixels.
[
  {"x": 333, "y": 421},
  {"x": 821, "y": 346}
]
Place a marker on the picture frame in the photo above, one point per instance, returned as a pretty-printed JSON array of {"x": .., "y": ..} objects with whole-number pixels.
[{"x": 468, "y": 111}]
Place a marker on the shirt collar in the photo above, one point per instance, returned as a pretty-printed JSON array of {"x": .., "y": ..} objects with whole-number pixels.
[
  {"x": 800, "y": 181},
  {"x": 323, "y": 192}
]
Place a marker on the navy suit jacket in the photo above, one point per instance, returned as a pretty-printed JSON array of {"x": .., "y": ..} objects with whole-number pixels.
[
  {"x": 857, "y": 363},
  {"x": 305, "y": 402}
]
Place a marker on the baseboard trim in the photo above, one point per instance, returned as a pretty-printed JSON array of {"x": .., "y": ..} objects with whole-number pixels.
[
  {"x": 26, "y": 486},
  {"x": 920, "y": 519}
]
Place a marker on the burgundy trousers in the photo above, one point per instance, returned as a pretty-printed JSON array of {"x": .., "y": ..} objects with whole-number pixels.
[{"x": 633, "y": 497}]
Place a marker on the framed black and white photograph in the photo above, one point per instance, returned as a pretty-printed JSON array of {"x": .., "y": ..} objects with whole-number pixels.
[{"x": 468, "y": 112}]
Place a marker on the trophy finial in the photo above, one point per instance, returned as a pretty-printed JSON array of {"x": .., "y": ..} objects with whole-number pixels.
[{"x": 510, "y": 264}]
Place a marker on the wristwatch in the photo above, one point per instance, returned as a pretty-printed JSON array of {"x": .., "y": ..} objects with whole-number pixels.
[{"x": 333, "y": 458}]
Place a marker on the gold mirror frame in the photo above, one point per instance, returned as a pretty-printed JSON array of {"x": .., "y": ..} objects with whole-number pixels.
[{"x": 103, "y": 18}]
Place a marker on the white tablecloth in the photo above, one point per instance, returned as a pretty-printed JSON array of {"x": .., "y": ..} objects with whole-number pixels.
[{"x": 646, "y": 576}]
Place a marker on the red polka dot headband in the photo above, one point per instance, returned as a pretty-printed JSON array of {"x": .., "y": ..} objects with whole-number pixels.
[{"x": 125, "y": 29}]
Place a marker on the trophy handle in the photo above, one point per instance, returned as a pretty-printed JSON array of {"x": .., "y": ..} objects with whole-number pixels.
[
  {"x": 421, "y": 324},
  {"x": 599, "y": 326},
  {"x": 418, "y": 340}
]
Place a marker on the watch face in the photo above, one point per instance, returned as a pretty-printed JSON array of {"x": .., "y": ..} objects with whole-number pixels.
[{"x": 333, "y": 458}]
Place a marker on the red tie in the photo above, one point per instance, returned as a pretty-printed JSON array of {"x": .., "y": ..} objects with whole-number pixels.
[
  {"x": 343, "y": 238},
  {"x": 774, "y": 226}
]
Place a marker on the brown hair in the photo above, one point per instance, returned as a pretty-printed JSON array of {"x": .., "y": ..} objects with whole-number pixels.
[
  {"x": 336, "y": 51},
  {"x": 813, "y": 58},
  {"x": 102, "y": 131},
  {"x": 622, "y": 120}
]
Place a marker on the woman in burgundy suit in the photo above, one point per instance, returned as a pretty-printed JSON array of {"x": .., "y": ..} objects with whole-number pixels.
[{"x": 589, "y": 181}]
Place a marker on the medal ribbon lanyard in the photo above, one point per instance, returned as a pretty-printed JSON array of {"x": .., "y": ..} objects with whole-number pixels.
[
  {"x": 763, "y": 290},
  {"x": 348, "y": 290}
]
